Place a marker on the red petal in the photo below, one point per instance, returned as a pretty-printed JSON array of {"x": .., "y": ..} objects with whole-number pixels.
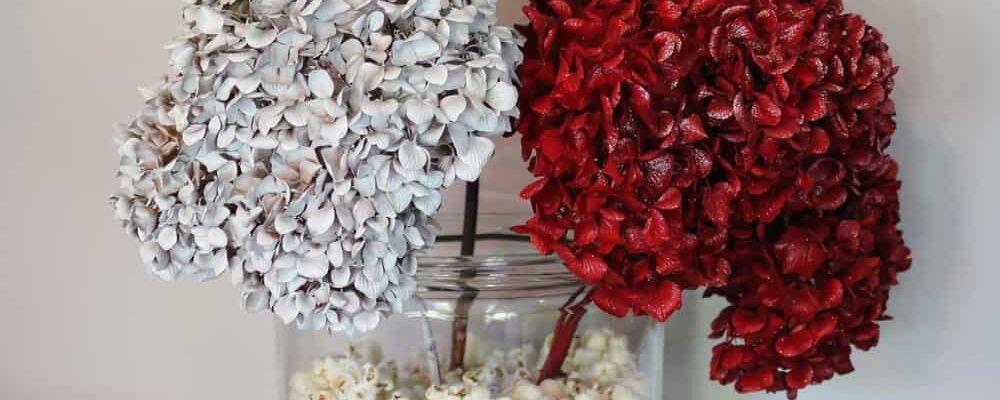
[
  {"x": 720, "y": 110},
  {"x": 765, "y": 111},
  {"x": 562, "y": 8},
  {"x": 552, "y": 144},
  {"x": 615, "y": 302},
  {"x": 666, "y": 265},
  {"x": 692, "y": 131},
  {"x": 534, "y": 188},
  {"x": 869, "y": 98},
  {"x": 800, "y": 253},
  {"x": 717, "y": 202},
  {"x": 586, "y": 232},
  {"x": 642, "y": 104},
  {"x": 660, "y": 300},
  {"x": 831, "y": 293},
  {"x": 795, "y": 344},
  {"x": 668, "y": 10},
  {"x": 733, "y": 357},
  {"x": 702, "y": 6},
  {"x": 786, "y": 130},
  {"x": 814, "y": 105},
  {"x": 747, "y": 322},
  {"x": 800, "y": 377},
  {"x": 758, "y": 380},
  {"x": 590, "y": 269},
  {"x": 740, "y": 29},
  {"x": 824, "y": 326},
  {"x": 670, "y": 200},
  {"x": 666, "y": 127},
  {"x": 656, "y": 228},
  {"x": 861, "y": 269},
  {"x": 667, "y": 44}
]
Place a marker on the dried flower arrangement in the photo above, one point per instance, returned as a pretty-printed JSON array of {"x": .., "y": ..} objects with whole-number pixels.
[
  {"x": 303, "y": 145},
  {"x": 733, "y": 145}
]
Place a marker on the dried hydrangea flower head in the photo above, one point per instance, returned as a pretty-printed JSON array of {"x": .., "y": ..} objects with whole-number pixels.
[
  {"x": 304, "y": 144},
  {"x": 737, "y": 145}
]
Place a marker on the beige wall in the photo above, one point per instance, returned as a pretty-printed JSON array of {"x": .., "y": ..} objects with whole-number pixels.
[{"x": 82, "y": 320}]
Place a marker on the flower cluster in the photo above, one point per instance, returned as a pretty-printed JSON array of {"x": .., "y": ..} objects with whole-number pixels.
[
  {"x": 600, "y": 367},
  {"x": 736, "y": 145},
  {"x": 304, "y": 145}
]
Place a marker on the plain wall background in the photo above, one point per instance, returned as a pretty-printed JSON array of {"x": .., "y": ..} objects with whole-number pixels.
[{"x": 81, "y": 319}]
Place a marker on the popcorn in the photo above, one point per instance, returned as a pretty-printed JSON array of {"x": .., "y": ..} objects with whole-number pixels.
[{"x": 502, "y": 375}]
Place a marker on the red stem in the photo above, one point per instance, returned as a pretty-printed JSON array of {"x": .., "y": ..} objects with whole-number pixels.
[{"x": 566, "y": 327}]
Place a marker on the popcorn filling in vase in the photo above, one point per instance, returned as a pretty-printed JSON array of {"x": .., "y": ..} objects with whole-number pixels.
[{"x": 504, "y": 323}]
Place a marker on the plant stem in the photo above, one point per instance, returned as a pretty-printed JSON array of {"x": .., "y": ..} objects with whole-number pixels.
[
  {"x": 471, "y": 219},
  {"x": 569, "y": 321},
  {"x": 460, "y": 326}
]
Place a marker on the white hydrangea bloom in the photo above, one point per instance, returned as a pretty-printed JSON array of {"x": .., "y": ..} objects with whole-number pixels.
[{"x": 304, "y": 144}]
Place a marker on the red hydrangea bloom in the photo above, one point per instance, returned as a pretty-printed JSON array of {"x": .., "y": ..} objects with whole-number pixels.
[{"x": 736, "y": 145}]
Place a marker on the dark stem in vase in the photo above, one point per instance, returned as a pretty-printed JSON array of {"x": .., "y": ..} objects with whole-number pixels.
[
  {"x": 460, "y": 326},
  {"x": 566, "y": 327},
  {"x": 470, "y": 220}
]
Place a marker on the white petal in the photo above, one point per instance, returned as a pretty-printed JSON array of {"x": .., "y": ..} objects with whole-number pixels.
[
  {"x": 412, "y": 156},
  {"x": 209, "y": 21},
  {"x": 502, "y": 97},
  {"x": 284, "y": 224},
  {"x": 294, "y": 38},
  {"x": 419, "y": 112},
  {"x": 466, "y": 172},
  {"x": 340, "y": 277},
  {"x": 414, "y": 237},
  {"x": 365, "y": 185},
  {"x": 217, "y": 237},
  {"x": 260, "y": 38},
  {"x": 428, "y": 204},
  {"x": 194, "y": 134},
  {"x": 415, "y": 49},
  {"x": 321, "y": 220},
  {"x": 479, "y": 151},
  {"x": 286, "y": 308},
  {"x": 212, "y": 161},
  {"x": 370, "y": 76},
  {"x": 255, "y": 300},
  {"x": 226, "y": 137},
  {"x": 460, "y": 138},
  {"x": 335, "y": 254},
  {"x": 167, "y": 238},
  {"x": 217, "y": 262},
  {"x": 453, "y": 106},
  {"x": 320, "y": 83},
  {"x": 298, "y": 115},
  {"x": 437, "y": 75},
  {"x": 313, "y": 265},
  {"x": 336, "y": 131},
  {"x": 362, "y": 211}
]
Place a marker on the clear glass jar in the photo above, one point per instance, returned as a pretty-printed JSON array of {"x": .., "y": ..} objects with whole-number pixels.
[{"x": 505, "y": 300}]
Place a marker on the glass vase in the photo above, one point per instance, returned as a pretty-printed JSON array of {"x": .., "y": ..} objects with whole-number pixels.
[{"x": 483, "y": 327}]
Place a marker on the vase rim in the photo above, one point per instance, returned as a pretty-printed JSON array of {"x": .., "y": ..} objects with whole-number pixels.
[{"x": 506, "y": 264}]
